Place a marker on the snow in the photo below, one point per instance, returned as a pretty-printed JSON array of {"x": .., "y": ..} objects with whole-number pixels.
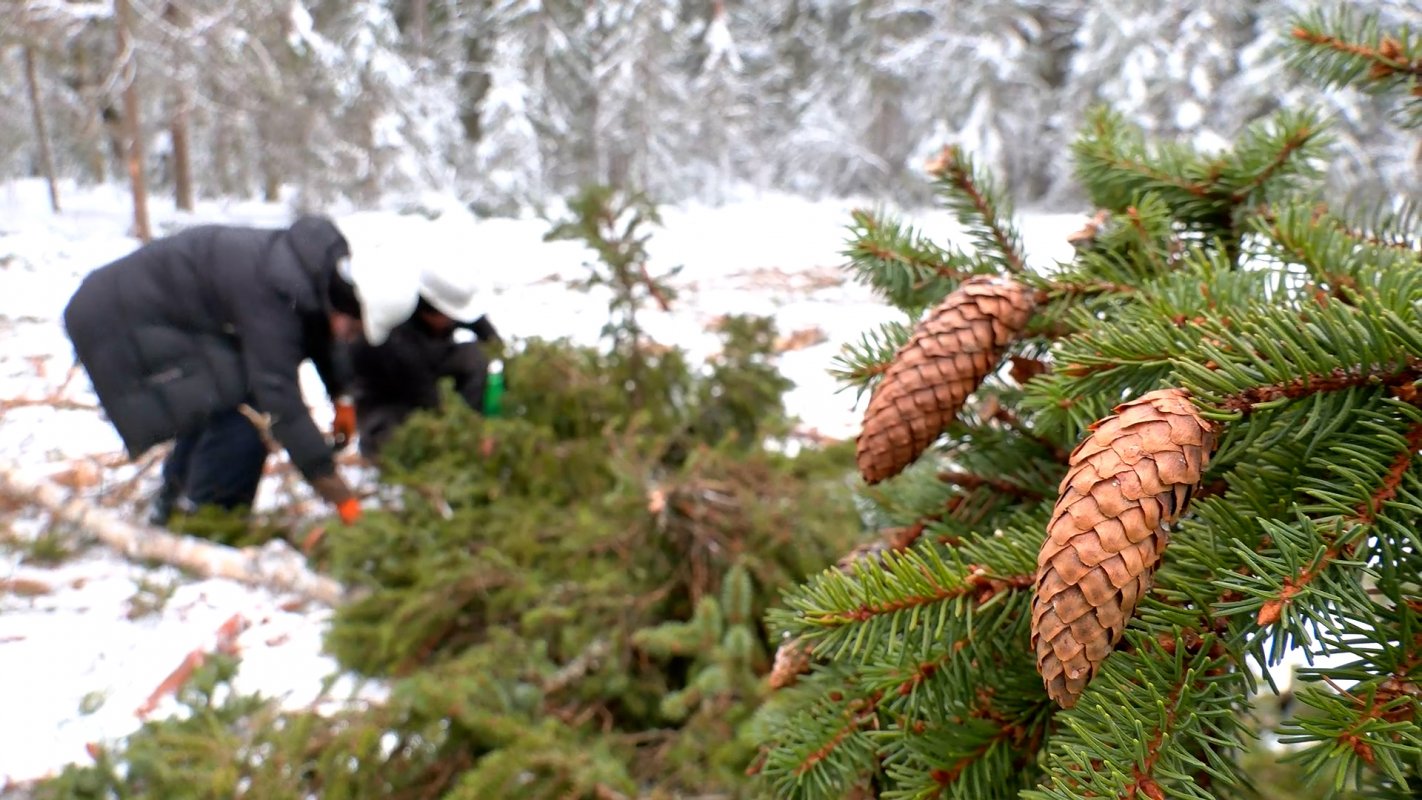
[{"x": 75, "y": 648}]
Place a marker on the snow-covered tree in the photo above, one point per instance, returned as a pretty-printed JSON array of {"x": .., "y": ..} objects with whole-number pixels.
[{"x": 514, "y": 103}]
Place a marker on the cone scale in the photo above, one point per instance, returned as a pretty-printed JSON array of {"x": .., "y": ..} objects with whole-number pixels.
[
  {"x": 1134, "y": 474},
  {"x": 950, "y": 353}
]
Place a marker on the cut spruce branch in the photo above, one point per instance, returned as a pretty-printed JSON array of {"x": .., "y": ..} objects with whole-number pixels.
[{"x": 275, "y": 566}]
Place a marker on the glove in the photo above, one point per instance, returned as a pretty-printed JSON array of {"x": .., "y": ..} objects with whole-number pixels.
[
  {"x": 343, "y": 427},
  {"x": 484, "y": 330},
  {"x": 349, "y": 510}
]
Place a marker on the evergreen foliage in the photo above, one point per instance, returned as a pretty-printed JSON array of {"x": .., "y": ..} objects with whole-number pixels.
[
  {"x": 1297, "y": 331},
  {"x": 567, "y": 601}
]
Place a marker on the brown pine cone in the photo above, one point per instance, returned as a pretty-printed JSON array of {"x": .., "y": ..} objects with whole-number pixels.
[
  {"x": 1132, "y": 475},
  {"x": 950, "y": 353}
]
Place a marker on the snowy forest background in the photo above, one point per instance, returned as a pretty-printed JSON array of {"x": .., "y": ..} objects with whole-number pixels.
[{"x": 511, "y": 104}]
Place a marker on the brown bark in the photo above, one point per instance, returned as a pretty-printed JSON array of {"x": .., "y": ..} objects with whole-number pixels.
[
  {"x": 178, "y": 132},
  {"x": 41, "y": 132},
  {"x": 178, "y": 125},
  {"x": 419, "y": 24},
  {"x": 132, "y": 125}
]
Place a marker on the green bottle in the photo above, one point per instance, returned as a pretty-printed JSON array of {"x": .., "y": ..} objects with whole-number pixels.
[{"x": 494, "y": 389}]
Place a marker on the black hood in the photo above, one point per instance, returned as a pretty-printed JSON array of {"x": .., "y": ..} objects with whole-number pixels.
[{"x": 319, "y": 245}]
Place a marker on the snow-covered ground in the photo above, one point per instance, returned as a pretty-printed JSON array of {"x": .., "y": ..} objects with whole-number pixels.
[{"x": 71, "y": 659}]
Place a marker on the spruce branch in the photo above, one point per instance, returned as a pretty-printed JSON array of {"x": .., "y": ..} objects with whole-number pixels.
[
  {"x": 917, "y": 591},
  {"x": 978, "y": 585},
  {"x": 861, "y": 364},
  {"x": 900, "y": 264},
  {"x": 1206, "y": 192},
  {"x": 998, "y": 485},
  {"x": 1373, "y": 723},
  {"x": 1372, "y": 474},
  {"x": 823, "y": 748},
  {"x": 1159, "y": 715},
  {"x": 1115, "y": 164},
  {"x": 1337, "y": 253},
  {"x": 1384, "y": 225},
  {"x": 1337, "y": 379},
  {"x": 1273, "y": 156},
  {"x": 1340, "y": 49},
  {"x": 981, "y": 208}
]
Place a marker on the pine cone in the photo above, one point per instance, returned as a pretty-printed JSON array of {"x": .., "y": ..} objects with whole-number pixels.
[
  {"x": 931, "y": 376},
  {"x": 1134, "y": 474}
]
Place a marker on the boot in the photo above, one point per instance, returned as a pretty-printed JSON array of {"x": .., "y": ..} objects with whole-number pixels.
[{"x": 164, "y": 502}]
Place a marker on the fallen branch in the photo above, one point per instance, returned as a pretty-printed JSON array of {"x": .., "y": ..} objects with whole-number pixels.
[
  {"x": 275, "y": 565},
  {"x": 227, "y": 634}
]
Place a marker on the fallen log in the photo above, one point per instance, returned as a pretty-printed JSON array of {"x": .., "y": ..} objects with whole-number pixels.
[{"x": 275, "y": 565}]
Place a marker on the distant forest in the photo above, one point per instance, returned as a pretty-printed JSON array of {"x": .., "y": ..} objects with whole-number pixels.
[{"x": 512, "y": 103}]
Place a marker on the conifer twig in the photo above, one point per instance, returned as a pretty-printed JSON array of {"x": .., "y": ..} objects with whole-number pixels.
[
  {"x": 1385, "y": 60},
  {"x": 873, "y": 229},
  {"x": 978, "y": 585},
  {"x": 857, "y": 714},
  {"x": 952, "y": 167},
  {"x": 1365, "y": 515},
  {"x": 1249, "y": 400},
  {"x": 226, "y": 644}
]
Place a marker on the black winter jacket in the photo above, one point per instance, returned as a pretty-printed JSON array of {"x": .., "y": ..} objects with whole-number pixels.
[
  {"x": 209, "y": 318},
  {"x": 401, "y": 376}
]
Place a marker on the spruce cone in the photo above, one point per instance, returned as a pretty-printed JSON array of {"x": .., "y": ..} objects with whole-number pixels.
[
  {"x": 1134, "y": 474},
  {"x": 931, "y": 376}
]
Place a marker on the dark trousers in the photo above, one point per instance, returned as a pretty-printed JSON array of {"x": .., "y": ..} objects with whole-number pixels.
[{"x": 218, "y": 465}]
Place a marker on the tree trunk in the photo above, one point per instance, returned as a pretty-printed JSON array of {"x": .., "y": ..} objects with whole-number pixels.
[
  {"x": 419, "y": 23},
  {"x": 178, "y": 123},
  {"x": 222, "y": 158},
  {"x": 41, "y": 133},
  {"x": 94, "y": 130},
  {"x": 178, "y": 131},
  {"x": 276, "y": 565},
  {"x": 132, "y": 126}
]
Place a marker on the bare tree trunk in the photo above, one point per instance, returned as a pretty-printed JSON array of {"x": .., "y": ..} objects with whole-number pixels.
[
  {"x": 222, "y": 158},
  {"x": 178, "y": 123},
  {"x": 41, "y": 133},
  {"x": 94, "y": 130},
  {"x": 271, "y": 176},
  {"x": 419, "y": 24},
  {"x": 178, "y": 131},
  {"x": 131, "y": 124}
]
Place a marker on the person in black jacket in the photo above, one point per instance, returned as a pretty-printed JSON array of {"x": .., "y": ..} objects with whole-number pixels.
[
  {"x": 182, "y": 333},
  {"x": 400, "y": 375}
]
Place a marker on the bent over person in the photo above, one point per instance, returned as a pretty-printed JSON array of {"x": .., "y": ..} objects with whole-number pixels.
[
  {"x": 182, "y": 333},
  {"x": 397, "y": 374}
]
